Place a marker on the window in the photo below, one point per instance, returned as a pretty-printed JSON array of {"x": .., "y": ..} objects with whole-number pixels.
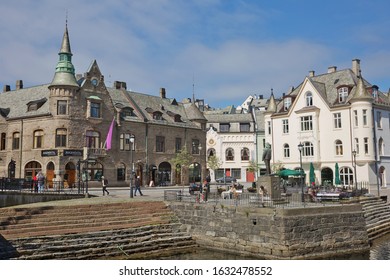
[
  {"x": 309, "y": 99},
  {"x": 346, "y": 176},
  {"x": 379, "y": 120},
  {"x": 236, "y": 173},
  {"x": 195, "y": 147},
  {"x": 366, "y": 145},
  {"x": 365, "y": 117},
  {"x": 125, "y": 143},
  {"x": 92, "y": 139},
  {"x": 269, "y": 128},
  {"x": 177, "y": 145},
  {"x": 210, "y": 153},
  {"x": 38, "y": 139},
  {"x": 286, "y": 151},
  {"x": 245, "y": 127},
  {"x": 229, "y": 154},
  {"x": 160, "y": 144},
  {"x": 339, "y": 148},
  {"x": 245, "y": 154},
  {"x": 357, "y": 145},
  {"x": 380, "y": 146},
  {"x": 61, "y": 134},
  {"x": 343, "y": 94},
  {"x": 32, "y": 107},
  {"x": 62, "y": 107},
  {"x": 287, "y": 103},
  {"x": 121, "y": 172},
  {"x": 3, "y": 139},
  {"x": 158, "y": 116},
  {"x": 127, "y": 112},
  {"x": 308, "y": 149},
  {"x": 306, "y": 123},
  {"x": 95, "y": 110},
  {"x": 224, "y": 127},
  {"x": 16, "y": 141},
  {"x": 355, "y": 117},
  {"x": 285, "y": 126},
  {"x": 337, "y": 120}
]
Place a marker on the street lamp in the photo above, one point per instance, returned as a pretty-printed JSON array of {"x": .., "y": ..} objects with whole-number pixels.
[
  {"x": 300, "y": 148},
  {"x": 354, "y": 168},
  {"x": 132, "y": 164}
]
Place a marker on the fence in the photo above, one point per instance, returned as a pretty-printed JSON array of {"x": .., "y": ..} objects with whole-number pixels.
[
  {"x": 23, "y": 185},
  {"x": 248, "y": 199}
]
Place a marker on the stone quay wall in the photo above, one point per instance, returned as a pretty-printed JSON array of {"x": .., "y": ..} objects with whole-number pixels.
[
  {"x": 18, "y": 198},
  {"x": 328, "y": 232}
]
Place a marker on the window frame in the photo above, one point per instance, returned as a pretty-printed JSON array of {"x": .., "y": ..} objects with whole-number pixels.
[
  {"x": 337, "y": 120},
  {"x": 307, "y": 123},
  {"x": 62, "y": 107},
  {"x": 160, "y": 144},
  {"x": 61, "y": 139},
  {"x": 38, "y": 137}
]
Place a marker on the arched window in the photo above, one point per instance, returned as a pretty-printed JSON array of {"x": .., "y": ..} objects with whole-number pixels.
[
  {"x": 16, "y": 141},
  {"x": 287, "y": 103},
  {"x": 309, "y": 99},
  {"x": 3, "y": 138},
  {"x": 38, "y": 139},
  {"x": 229, "y": 154},
  {"x": 210, "y": 153},
  {"x": 346, "y": 176},
  {"x": 339, "y": 148},
  {"x": 381, "y": 146},
  {"x": 286, "y": 151},
  {"x": 245, "y": 154}
]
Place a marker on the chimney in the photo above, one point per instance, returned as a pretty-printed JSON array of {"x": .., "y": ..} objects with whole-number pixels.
[
  {"x": 356, "y": 66},
  {"x": 311, "y": 73},
  {"x": 332, "y": 69},
  {"x": 6, "y": 88},
  {"x": 19, "y": 84},
  {"x": 120, "y": 85},
  {"x": 162, "y": 92},
  {"x": 261, "y": 96}
]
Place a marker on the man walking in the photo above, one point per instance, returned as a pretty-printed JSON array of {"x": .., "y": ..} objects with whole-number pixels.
[
  {"x": 137, "y": 186},
  {"x": 104, "y": 185}
]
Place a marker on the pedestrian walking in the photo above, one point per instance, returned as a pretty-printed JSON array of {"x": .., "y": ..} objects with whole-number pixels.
[
  {"x": 40, "y": 181},
  {"x": 137, "y": 186},
  {"x": 105, "y": 185}
]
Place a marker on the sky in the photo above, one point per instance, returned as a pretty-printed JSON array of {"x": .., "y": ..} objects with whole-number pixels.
[{"x": 220, "y": 50}]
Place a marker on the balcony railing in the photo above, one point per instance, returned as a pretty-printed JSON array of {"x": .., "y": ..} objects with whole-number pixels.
[{"x": 94, "y": 152}]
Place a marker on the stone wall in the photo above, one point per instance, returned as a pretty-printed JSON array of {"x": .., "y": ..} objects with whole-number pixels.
[
  {"x": 327, "y": 232},
  {"x": 16, "y": 198}
]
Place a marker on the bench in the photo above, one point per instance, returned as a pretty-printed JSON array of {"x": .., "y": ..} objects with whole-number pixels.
[{"x": 327, "y": 196}]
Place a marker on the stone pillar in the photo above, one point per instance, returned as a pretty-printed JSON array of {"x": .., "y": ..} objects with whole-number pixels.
[{"x": 271, "y": 184}]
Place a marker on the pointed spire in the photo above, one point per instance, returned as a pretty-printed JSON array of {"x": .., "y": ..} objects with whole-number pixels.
[
  {"x": 361, "y": 92},
  {"x": 272, "y": 103},
  {"x": 65, "y": 73}
]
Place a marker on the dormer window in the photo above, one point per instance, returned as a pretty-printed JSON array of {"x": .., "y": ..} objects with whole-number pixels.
[
  {"x": 157, "y": 116},
  {"x": 287, "y": 103},
  {"x": 309, "y": 99},
  {"x": 35, "y": 105},
  {"x": 127, "y": 112},
  {"x": 343, "y": 94}
]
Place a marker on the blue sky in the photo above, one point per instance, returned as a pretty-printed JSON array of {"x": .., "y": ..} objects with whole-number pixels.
[{"x": 228, "y": 49}]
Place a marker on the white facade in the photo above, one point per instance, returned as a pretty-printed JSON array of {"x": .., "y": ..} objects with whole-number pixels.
[{"x": 333, "y": 115}]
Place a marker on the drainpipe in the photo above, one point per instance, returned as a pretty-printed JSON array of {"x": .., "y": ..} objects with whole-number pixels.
[
  {"x": 21, "y": 147},
  {"x": 375, "y": 153}
]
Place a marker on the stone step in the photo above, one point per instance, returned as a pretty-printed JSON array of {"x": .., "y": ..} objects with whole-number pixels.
[
  {"x": 43, "y": 220},
  {"x": 102, "y": 244}
]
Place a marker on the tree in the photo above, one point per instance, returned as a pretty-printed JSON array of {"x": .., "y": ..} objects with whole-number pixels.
[
  {"x": 253, "y": 167},
  {"x": 182, "y": 161},
  {"x": 214, "y": 162}
]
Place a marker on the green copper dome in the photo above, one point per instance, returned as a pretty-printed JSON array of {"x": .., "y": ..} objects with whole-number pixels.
[{"x": 65, "y": 73}]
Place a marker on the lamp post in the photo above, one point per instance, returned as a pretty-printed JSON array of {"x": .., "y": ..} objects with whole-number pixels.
[
  {"x": 300, "y": 148},
  {"x": 132, "y": 164},
  {"x": 354, "y": 168}
]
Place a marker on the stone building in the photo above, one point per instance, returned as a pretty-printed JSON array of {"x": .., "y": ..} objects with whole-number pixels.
[{"x": 62, "y": 129}]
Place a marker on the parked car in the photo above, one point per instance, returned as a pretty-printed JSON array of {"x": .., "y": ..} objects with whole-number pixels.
[{"x": 227, "y": 179}]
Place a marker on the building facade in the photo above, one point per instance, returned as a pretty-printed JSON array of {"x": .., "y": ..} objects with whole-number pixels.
[
  {"x": 231, "y": 138},
  {"x": 76, "y": 128},
  {"x": 341, "y": 123}
]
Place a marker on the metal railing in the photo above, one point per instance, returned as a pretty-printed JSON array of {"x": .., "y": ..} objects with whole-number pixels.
[
  {"x": 24, "y": 185},
  {"x": 247, "y": 199}
]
